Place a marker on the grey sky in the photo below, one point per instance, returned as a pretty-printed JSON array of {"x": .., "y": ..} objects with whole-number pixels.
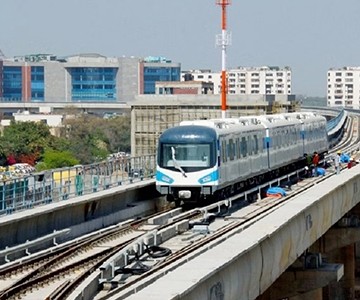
[{"x": 310, "y": 36}]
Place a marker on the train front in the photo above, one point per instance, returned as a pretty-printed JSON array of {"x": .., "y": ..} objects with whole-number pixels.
[{"x": 187, "y": 163}]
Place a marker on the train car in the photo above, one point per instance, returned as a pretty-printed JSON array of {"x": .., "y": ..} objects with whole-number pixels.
[{"x": 205, "y": 159}]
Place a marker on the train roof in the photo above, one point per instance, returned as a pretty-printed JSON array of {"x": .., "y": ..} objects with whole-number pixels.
[
  {"x": 226, "y": 124},
  {"x": 263, "y": 120},
  {"x": 304, "y": 116},
  {"x": 188, "y": 133}
]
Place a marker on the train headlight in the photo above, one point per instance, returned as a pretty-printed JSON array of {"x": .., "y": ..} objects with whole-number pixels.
[{"x": 184, "y": 194}]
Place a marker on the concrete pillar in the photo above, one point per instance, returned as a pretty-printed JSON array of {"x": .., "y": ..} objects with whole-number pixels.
[
  {"x": 349, "y": 271},
  {"x": 357, "y": 260},
  {"x": 345, "y": 288}
]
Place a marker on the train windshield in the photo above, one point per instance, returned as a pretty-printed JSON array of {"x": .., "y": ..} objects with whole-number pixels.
[{"x": 186, "y": 157}]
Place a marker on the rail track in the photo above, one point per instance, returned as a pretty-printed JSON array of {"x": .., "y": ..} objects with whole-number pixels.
[{"x": 63, "y": 265}]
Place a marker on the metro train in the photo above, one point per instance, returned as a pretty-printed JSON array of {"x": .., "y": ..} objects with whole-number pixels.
[{"x": 203, "y": 159}]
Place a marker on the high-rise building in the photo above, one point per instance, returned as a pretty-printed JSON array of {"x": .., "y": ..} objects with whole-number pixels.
[
  {"x": 82, "y": 78},
  {"x": 343, "y": 87},
  {"x": 247, "y": 80},
  {"x": 157, "y": 68}
]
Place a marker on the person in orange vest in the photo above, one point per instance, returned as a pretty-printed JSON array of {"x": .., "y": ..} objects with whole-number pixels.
[{"x": 315, "y": 161}]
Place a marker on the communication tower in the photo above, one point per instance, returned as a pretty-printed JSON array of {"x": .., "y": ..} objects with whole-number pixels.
[{"x": 223, "y": 40}]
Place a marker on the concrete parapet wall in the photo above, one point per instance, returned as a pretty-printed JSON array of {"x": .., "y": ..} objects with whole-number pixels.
[{"x": 82, "y": 214}]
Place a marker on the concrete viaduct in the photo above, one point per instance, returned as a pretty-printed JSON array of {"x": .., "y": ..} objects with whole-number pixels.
[{"x": 307, "y": 249}]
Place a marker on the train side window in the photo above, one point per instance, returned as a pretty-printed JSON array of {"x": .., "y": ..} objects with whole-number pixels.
[
  {"x": 256, "y": 144},
  {"x": 288, "y": 136},
  {"x": 274, "y": 140},
  {"x": 293, "y": 136},
  {"x": 243, "y": 147},
  {"x": 279, "y": 139},
  {"x": 238, "y": 155},
  {"x": 283, "y": 138},
  {"x": 249, "y": 145},
  {"x": 231, "y": 149},
  {"x": 223, "y": 152}
]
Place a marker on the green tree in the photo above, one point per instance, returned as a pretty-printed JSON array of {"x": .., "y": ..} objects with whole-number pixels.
[
  {"x": 92, "y": 138},
  {"x": 117, "y": 131},
  {"x": 85, "y": 138},
  {"x": 53, "y": 159},
  {"x": 26, "y": 139}
]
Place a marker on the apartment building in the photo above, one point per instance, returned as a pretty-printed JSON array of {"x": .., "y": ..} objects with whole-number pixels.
[
  {"x": 343, "y": 87},
  {"x": 247, "y": 80}
]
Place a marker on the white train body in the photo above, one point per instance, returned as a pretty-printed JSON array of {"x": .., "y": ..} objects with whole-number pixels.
[{"x": 201, "y": 158}]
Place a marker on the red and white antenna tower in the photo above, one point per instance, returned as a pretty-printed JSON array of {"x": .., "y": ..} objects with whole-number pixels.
[{"x": 223, "y": 40}]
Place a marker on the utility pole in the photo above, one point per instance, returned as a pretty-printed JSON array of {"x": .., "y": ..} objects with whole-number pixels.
[{"x": 223, "y": 40}]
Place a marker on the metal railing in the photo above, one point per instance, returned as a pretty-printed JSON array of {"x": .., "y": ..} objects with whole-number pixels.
[{"x": 26, "y": 191}]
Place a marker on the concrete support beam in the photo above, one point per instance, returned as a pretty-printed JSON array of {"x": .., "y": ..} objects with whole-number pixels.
[
  {"x": 299, "y": 282},
  {"x": 336, "y": 238}
]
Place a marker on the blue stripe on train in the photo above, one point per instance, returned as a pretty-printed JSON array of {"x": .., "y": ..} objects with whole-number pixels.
[
  {"x": 213, "y": 176},
  {"x": 163, "y": 178}
]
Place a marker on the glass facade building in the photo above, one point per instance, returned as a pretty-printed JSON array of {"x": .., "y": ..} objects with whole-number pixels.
[
  {"x": 37, "y": 84},
  {"x": 12, "y": 84},
  {"x": 159, "y": 73},
  {"x": 93, "y": 84},
  {"x": 82, "y": 78}
]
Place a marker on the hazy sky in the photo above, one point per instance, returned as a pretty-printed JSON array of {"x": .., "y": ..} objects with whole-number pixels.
[{"x": 310, "y": 36}]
